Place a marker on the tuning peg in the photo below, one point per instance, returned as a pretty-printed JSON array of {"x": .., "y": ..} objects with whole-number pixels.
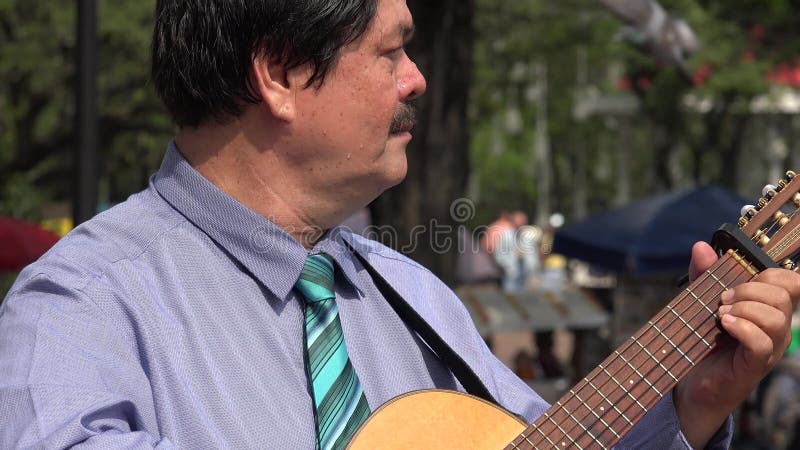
[
  {"x": 790, "y": 174},
  {"x": 742, "y": 222},
  {"x": 769, "y": 191},
  {"x": 781, "y": 218},
  {"x": 761, "y": 238},
  {"x": 748, "y": 211},
  {"x": 788, "y": 264},
  {"x": 781, "y": 184},
  {"x": 762, "y": 202}
]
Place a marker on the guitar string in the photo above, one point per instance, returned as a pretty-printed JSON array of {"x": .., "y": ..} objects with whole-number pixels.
[
  {"x": 651, "y": 358},
  {"x": 627, "y": 363},
  {"x": 784, "y": 243},
  {"x": 587, "y": 382},
  {"x": 668, "y": 374},
  {"x": 775, "y": 223},
  {"x": 612, "y": 378}
]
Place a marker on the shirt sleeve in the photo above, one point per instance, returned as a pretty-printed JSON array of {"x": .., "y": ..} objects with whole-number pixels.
[
  {"x": 68, "y": 378},
  {"x": 660, "y": 429}
]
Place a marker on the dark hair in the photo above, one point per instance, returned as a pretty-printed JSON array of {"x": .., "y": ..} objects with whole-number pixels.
[{"x": 202, "y": 49}]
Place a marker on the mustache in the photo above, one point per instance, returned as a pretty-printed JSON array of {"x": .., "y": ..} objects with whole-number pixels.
[{"x": 404, "y": 118}]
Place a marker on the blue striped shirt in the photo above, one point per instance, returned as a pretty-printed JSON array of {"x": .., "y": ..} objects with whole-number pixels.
[{"x": 170, "y": 321}]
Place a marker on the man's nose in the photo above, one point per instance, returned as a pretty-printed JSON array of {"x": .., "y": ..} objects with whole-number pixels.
[{"x": 412, "y": 85}]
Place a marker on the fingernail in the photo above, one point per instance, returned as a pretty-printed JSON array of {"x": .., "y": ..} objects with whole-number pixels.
[
  {"x": 726, "y": 296},
  {"x": 724, "y": 309},
  {"x": 728, "y": 319}
]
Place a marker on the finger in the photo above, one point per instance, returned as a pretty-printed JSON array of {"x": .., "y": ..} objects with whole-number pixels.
[
  {"x": 703, "y": 257},
  {"x": 757, "y": 345},
  {"x": 772, "y": 321},
  {"x": 756, "y": 291},
  {"x": 786, "y": 279}
]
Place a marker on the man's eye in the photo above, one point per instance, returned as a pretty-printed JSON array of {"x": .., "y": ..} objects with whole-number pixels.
[{"x": 396, "y": 52}]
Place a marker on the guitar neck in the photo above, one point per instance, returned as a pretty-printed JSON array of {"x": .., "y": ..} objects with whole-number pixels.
[{"x": 599, "y": 410}]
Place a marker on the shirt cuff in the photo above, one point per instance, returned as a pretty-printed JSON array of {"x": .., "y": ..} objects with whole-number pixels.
[
  {"x": 721, "y": 439},
  {"x": 660, "y": 428}
]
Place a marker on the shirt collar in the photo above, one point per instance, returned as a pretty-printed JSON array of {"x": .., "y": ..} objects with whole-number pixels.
[{"x": 269, "y": 253}]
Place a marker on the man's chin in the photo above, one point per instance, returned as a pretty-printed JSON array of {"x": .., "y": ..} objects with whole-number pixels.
[
  {"x": 396, "y": 174},
  {"x": 394, "y": 167}
]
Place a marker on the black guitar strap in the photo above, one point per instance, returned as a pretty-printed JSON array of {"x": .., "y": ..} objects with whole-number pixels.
[{"x": 450, "y": 358}]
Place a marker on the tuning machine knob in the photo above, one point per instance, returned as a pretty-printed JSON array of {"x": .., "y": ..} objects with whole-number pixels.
[
  {"x": 761, "y": 238},
  {"x": 748, "y": 211},
  {"x": 769, "y": 191},
  {"x": 788, "y": 264},
  {"x": 781, "y": 218}
]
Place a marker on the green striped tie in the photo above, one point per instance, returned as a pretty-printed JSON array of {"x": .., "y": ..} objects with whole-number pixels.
[{"x": 339, "y": 401}]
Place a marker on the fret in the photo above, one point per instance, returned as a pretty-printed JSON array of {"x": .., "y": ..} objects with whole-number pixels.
[
  {"x": 614, "y": 406},
  {"x": 717, "y": 280},
  {"x": 670, "y": 342},
  {"x": 563, "y": 443},
  {"x": 670, "y": 309},
  {"x": 574, "y": 419},
  {"x": 654, "y": 358},
  {"x": 623, "y": 388},
  {"x": 544, "y": 435},
  {"x": 605, "y": 424},
  {"x": 642, "y": 377},
  {"x": 702, "y": 303}
]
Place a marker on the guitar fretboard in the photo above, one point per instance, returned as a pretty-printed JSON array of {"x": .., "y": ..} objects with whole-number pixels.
[{"x": 601, "y": 408}]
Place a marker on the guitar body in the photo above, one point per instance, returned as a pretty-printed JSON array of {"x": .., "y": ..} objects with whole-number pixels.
[{"x": 437, "y": 419}]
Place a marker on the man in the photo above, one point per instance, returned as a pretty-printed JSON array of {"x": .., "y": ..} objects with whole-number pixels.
[{"x": 185, "y": 317}]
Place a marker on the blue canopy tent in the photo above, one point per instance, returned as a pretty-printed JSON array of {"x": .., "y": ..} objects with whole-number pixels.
[{"x": 652, "y": 235}]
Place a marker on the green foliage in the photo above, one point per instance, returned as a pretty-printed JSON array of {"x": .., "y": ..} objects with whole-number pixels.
[
  {"x": 576, "y": 39},
  {"x": 37, "y": 102},
  {"x": 570, "y": 37},
  {"x": 671, "y": 143}
]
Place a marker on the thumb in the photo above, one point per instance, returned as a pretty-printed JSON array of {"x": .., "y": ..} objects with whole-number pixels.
[{"x": 703, "y": 257}]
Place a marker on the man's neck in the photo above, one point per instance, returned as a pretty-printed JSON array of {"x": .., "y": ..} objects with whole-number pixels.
[{"x": 256, "y": 178}]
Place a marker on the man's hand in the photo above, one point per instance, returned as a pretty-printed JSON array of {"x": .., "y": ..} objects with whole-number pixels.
[{"x": 757, "y": 316}]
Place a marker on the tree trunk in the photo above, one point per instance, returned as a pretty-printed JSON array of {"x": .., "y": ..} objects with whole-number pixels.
[{"x": 438, "y": 157}]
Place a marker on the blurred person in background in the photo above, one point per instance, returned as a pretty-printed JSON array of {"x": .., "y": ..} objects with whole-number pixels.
[{"x": 513, "y": 244}]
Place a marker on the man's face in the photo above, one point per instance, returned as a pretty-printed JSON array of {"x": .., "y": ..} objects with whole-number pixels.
[{"x": 351, "y": 134}]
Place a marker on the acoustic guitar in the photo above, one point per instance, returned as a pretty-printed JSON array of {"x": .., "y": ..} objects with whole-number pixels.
[{"x": 598, "y": 411}]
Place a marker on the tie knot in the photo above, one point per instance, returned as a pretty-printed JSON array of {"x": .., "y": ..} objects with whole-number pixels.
[{"x": 316, "y": 279}]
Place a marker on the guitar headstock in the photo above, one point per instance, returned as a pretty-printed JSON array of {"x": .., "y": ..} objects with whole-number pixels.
[{"x": 774, "y": 222}]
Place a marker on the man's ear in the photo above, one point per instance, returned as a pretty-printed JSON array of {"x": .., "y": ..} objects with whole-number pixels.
[{"x": 275, "y": 85}]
